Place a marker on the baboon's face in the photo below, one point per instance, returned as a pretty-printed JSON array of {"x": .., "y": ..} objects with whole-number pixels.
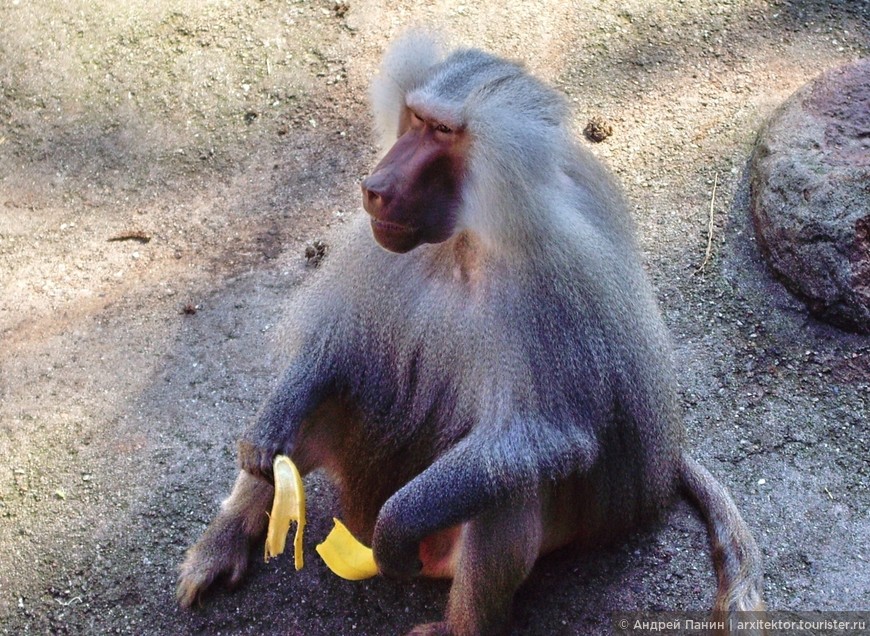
[{"x": 414, "y": 193}]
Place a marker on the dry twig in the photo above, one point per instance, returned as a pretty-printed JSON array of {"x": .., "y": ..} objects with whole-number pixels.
[
  {"x": 709, "y": 227},
  {"x": 135, "y": 235}
]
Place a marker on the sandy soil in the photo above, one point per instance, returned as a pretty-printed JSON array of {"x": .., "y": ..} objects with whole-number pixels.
[{"x": 230, "y": 134}]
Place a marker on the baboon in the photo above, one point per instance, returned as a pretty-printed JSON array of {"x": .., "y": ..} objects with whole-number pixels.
[{"x": 489, "y": 378}]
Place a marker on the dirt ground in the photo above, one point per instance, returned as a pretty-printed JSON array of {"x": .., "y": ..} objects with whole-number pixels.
[{"x": 215, "y": 139}]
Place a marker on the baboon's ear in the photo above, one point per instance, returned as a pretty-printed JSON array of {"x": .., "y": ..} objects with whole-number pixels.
[{"x": 404, "y": 66}]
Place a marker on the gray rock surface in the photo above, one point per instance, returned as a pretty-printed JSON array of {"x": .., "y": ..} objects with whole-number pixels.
[{"x": 810, "y": 182}]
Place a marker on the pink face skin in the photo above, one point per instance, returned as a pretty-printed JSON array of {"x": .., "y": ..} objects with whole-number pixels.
[{"x": 414, "y": 193}]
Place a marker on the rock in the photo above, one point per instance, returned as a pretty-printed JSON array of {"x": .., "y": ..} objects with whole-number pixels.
[{"x": 810, "y": 195}]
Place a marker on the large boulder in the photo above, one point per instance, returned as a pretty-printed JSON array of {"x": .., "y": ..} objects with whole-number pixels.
[{"x": 810, "y": 185}]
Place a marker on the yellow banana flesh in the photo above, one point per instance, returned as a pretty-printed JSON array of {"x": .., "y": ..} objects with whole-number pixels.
[
  {"x": 345, "y": 556},
  {"x": 288, "y": 505}
]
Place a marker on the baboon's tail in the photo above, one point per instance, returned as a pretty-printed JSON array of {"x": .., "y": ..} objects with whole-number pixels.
[{"x": 735, "y": 554}]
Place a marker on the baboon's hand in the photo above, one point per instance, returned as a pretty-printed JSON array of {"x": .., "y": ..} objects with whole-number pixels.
[
  {"x": 398, "y": 561},
  {"x": 396, "y": 555},
  {"x": 257, "y": 460}
]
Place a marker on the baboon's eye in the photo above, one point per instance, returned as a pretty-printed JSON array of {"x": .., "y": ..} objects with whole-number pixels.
[{"x": 443, "y": 129}]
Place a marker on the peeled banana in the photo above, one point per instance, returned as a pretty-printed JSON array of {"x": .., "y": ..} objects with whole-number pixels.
[{"x": 288, "y": 505}]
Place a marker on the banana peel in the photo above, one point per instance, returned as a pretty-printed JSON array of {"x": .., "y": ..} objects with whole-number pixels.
[
  {"x": 342, "y": 553},
  {"x": 288, "y": 505},
  {"x": 345, "y": 556}
]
